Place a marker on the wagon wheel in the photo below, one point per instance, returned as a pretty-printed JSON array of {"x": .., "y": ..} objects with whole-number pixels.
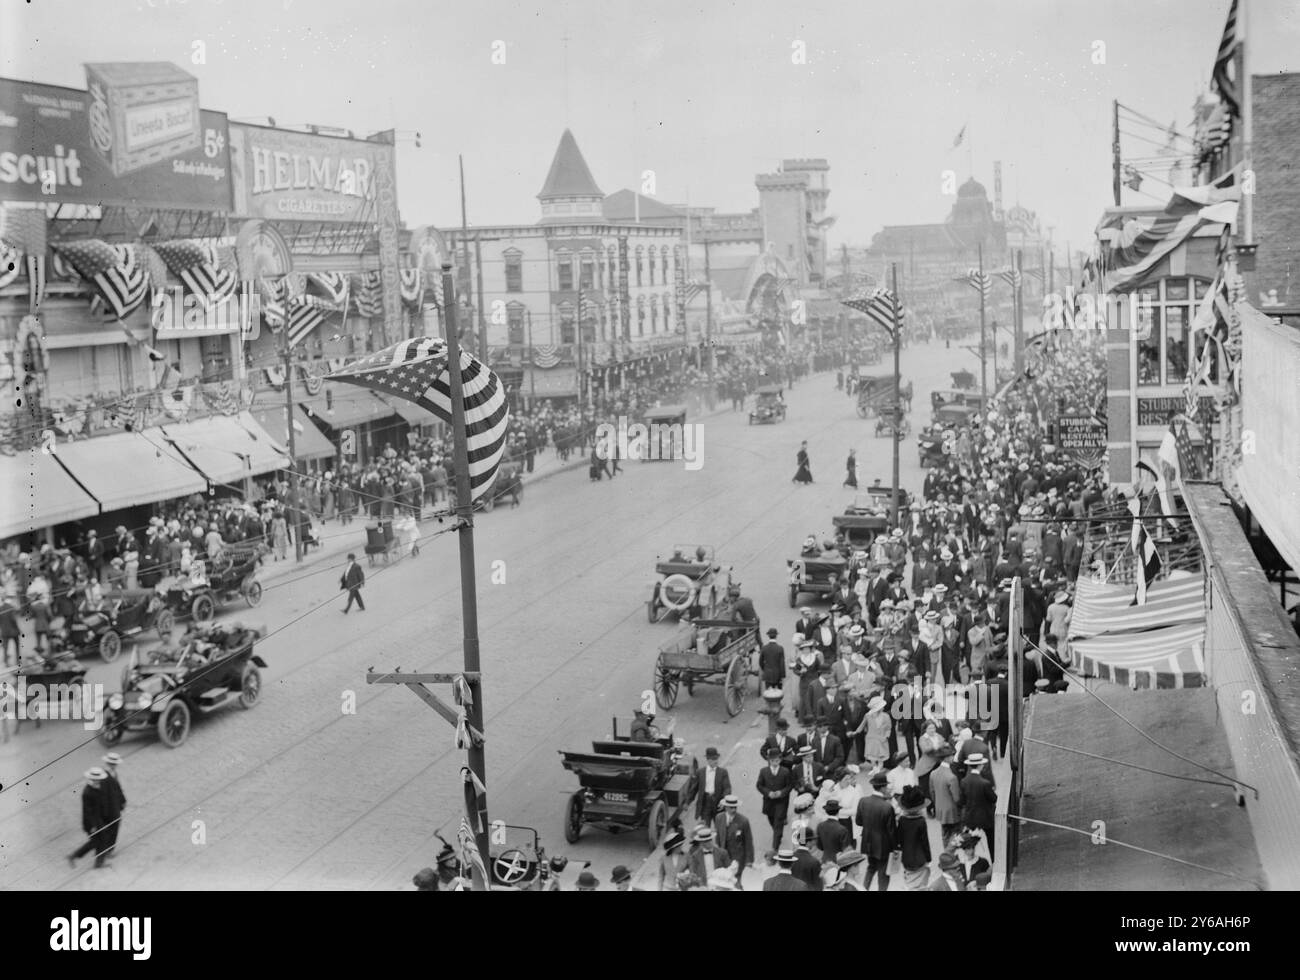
[
  {"x": 203, "y": 608},
  {"x": 667, "y": 682},
  {"x": 737, "y": 674},
  {"x": 252, "y": 591},
  {"x": 110, "y": 646},
  {"x": 573, "y": 818},
  {"x": 174, "y": 724},
  {"x": 657, "y": 825},
  {"x": 164, "y": 622}
]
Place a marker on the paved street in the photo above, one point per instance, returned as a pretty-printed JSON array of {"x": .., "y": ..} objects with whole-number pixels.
[{"x": 296, "y": 793}]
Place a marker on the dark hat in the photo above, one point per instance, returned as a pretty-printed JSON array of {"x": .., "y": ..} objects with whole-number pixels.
[
  {"x": 912, "y": 798},
  {"x": 831, "y": 806},
  {"x": 879, "y": 781},
  {"x": 782, "y": 723},
  {"x": 772, "y": 633},
  {"x": 710, "y": 753},
  {"x": 351, "y": 556},
  {"x": 620, "y": 874},
  {"x": 588, "y": 880},
  {"x": 948, "y": 862},
  {"x": 424, "y": 878},
  {"x": 774, "y": 753},
  {"x": 945, "y": 751}
]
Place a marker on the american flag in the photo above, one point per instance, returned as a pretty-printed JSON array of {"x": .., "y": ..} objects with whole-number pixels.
[
  {"x": 1011, "y": 277},
  {"x": 977, "y": 280},
  {"x": 416, "y": 370},
  {"x": 306, "y": 313},
  {"x": 195, "y": 264},
  {"x": 119, "y": 279},
  {"x": 693, "y": 289},
  {"x": 1190, "y": 461},
  {"x": 880, "y": 306},
  {"x": 1223, "y": 81}
]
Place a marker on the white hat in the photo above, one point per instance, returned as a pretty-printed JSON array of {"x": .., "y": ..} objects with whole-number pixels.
[
  {"x": 96, "y": 774},
  {"x": 946, "y": 555},
  {"x": 113, "y": 759}
]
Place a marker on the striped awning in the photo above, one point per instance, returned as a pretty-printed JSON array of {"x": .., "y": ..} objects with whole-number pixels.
[
  {"x": 1105, "y": 609},
  {"x": 1160, "y": 658}
]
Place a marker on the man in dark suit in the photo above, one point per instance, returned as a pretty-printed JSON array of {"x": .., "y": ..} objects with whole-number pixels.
[
  {"x": 981, "y": 799},
  {"x": 353, "y": 579},
  {"x": 877, "y": 593},
  {"x": 785, "y": 881},
  {"x": 782, "y": 742},
  {"x": 832, "y": 835},
  {"x": 734, "y": 835},
  {"x": 806, "y": 867},
  {"x": 827, "y": 745},
  {"x": 771, "y": 662},
  {"x": 876, "y": 818},
  {"x": 774, "y": 785},
  {"x": 806, "y": 625},
  {"x": 807, "y": 772},
  {"x": 714, "y": 784},
  {"x": 95, "y": 817}
]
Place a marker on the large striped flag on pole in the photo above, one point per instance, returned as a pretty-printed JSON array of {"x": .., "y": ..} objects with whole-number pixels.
[
  {"x": 195, "y": 264},
  {"x": 977, "y": 280},
  {"x": 880, "y": 307},
  {"x": 416, "y": 370},
  {"x": 119, "y": 279}
]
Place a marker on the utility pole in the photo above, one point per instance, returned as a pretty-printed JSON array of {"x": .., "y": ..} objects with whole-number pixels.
[
  {"x": 984, "y": 343},
  {"x": 532, "y": 376},
  {"x": 1114, "y": 151},
  {"x": 898, "y": 387},
  {"x": 1020, "y": 313},
  {"x": 287, "y": 355},
  {"x": 464, "y": 237},
  {"x": 482, "y": 319},
  {"x": 708, "y": 320}
]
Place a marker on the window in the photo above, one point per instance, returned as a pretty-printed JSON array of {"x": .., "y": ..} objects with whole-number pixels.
[
  {"x": 663, "y": 264},
  {"x": 1162, "y": 315},
  {"x": 668, "y": 312},
  {"x": 564, "y": 281},
  {"x": 514, "y": 271},
  {"x": 567, "y": 333},
  {"x": 654, "y": 314},
  {"x": 515, "y": 320},
  {"x": 640, "y": 315},
  {"x": 640, "y": 264},
  {"x": 587, "y": 272}
]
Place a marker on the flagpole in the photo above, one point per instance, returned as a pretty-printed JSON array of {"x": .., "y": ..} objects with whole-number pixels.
[
  {"x": 984, "y": 343},
  {"x": 287, "y": 355},
  {"x": 468, "y": 594},
  {"x": 898, "y": 383}
]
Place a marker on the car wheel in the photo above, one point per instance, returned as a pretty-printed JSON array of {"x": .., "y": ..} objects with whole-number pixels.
[
  {"x": 253, "y": 593},
  {"x": 174, "y": 724},
  {"x": 657, "y": 825},
  {"x": 250, "y": 686},
  {"x": 203, "y": 609},
  {"x": 109, "y": 733},
  {"x": 164, "y": 622},
  {"x": 573, "y": 818},
  {"x": 110, "y": 646}
]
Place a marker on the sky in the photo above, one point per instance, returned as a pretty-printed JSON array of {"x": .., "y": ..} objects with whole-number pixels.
[{"x": 704, "y": 94}]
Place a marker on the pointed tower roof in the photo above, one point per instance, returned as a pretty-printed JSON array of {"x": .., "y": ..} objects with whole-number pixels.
[{"x": 569, "y": 176}]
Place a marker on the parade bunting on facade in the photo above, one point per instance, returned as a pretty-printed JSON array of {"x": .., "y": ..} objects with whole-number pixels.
[
  {"x": 546, "y": 356},
  {"x": 367, "y": 294},
  {"x": 412, "y": 285},
  {"x": 417, "y": 371}
]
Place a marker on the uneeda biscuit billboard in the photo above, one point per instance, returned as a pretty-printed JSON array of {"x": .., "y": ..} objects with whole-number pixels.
[{"x": 63, "y": 145}]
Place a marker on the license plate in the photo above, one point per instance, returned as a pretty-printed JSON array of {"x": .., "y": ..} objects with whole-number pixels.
[{"x": 616, "y": 797}]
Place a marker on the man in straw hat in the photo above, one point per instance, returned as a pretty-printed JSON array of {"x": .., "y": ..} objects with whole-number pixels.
[
  {"x": 850, "y": 867},
  {"x": 734, "y": 835},
  {"x": 94, "y": 818},
  {"x": 980, "y": 798},
  {"x": 784, "y": 881},
  {"x": 879, "y": 830},
  {"x": 114, "y": 797},
  {"x": 705, "y": 855}
]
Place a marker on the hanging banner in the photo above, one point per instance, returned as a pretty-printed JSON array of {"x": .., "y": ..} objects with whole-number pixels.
[{"x": 124, "y": 145}]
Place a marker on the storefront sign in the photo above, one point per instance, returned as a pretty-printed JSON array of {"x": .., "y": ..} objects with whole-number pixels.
[
  {"x": 300, "y": 176},
  {"x": 1155, "y": 411},
  {"x": 1080, "y": 434},
  {"x": 178, "y": 314},
  {"x": 121, "y": 145}
]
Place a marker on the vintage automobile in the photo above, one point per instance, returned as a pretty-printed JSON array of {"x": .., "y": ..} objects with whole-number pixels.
[
  {"x": 689, "y": 584},
  {"x": 232, "y": 574},
  {"x": 708, "y": 651},
  {"x": 963, "y": 380},
  {"x": 881, "y": 499},
  {"x": 854, "y": 534},
  {"x": 885, "y": 424},
  {"x": 953, "y": 416},
  {"x": 769, "y": 405},
  {"x": 211, "y": 667},
  {"x": 664, "y": 428},
  {"x": 509, "y": 487},
  {"x": 128, "y": 613},
  {"x": 47, "y": 681},
  {"x": 628, "y": 786},
  {"x": 516, "y": 859},
  {"x": 815, "y": 572},
  {"x": 934, "y": 445}
]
